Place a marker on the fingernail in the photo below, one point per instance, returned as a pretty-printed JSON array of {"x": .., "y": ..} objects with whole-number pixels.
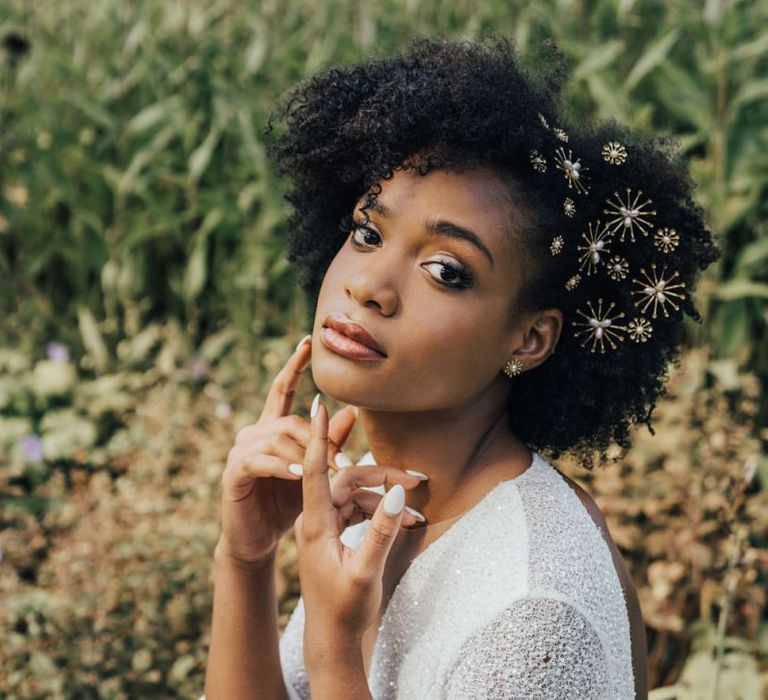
[
  {"x": 413, "y": 472},
  {"x": 315, "y": 405},
  {"x": 303, "y": 340},
  {"x": 357, "y": 411},
  {"x": 342, "y": 460},
  {"x": 394, "y": 500},
  {"x": 296, "y": 469},
  {"x": 416, "y": 514}
]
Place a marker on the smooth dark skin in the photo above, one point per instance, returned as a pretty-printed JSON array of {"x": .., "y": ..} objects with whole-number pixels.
[{"x": 441, "y": 388}]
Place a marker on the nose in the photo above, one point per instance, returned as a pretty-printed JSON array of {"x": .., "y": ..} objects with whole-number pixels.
[{"x": 374, "y": 289}]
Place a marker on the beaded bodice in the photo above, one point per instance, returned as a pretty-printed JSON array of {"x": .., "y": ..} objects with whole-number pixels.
[{"x": 519, "y": 598}]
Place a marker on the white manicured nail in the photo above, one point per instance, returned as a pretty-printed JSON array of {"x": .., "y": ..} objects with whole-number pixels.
[
  {"x": 315, "y": 406},
  {"x": 413, "y": 472},
  {"x": 395, "y": 499},
  {"x": 415, "y": 513},
  {"x": 302, "y": 341},
  {"x": 357, "y": 411},
  {"x": 296, "y": 469},
  {"x": 342, "y": 460}
]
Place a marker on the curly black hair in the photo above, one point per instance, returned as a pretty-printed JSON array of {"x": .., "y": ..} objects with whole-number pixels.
[{"x": 462, "y": 104}]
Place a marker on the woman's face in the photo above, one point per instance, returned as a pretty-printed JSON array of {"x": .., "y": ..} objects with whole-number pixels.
[{"x": 437, "y": 304}]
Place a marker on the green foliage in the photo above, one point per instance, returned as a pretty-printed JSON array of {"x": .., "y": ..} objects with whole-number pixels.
[
  {"x": 135, "y": 182},
  {"x": 141, "y": 227}
]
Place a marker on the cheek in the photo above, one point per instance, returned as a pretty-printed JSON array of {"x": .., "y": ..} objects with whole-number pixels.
[
  {"x": 330, "y": 280},
  {"x": 458, "y": 341}
]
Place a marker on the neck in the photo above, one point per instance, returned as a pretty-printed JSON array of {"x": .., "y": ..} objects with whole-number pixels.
[{"x": 463, "y": 449}]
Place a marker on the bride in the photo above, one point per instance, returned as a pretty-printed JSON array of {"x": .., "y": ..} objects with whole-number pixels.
[{"x": 493, "y": 287}]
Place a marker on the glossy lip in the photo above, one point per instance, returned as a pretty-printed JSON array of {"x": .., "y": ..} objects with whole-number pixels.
[{"x": 344, "y": 325}]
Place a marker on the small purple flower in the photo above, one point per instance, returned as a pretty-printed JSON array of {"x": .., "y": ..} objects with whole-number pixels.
[
  {"x": 32, "y": 448},
  {"x": 58, "y": 352},
  {"x": 198, "y": 368}
]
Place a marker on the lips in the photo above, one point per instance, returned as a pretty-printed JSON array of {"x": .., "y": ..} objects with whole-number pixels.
[{"x": 344, "y": 325}]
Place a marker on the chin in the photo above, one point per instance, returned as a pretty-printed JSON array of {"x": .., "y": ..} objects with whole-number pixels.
[{"x": 336, "y": 384}]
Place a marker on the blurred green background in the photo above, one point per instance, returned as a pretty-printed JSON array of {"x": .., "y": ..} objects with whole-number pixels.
[{"x": 146, "y": 305}]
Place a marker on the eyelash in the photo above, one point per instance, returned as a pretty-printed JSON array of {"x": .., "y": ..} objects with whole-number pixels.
[{"x": 464, "y": 275}]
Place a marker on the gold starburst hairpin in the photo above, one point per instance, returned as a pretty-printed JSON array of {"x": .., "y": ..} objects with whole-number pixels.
[
  {"x": 559, "y": 133},
  {"x": 597, "y": 239},
  {"x": 557, "y": 245},
  {"x": 666, "y": 239},
  {"x": 658, "y": 290},
  {"x": 617, "y": 268},
  {"x": 600, "y": 327},
  {"x": 569, "y": 208},
  {"x": 614, "y": 153},
  {"x": 539, "y": 162},
  {"x": 543, "y": 121},
  {"x": 639, "y": 329},
  {"x": 572, "y": 169},
  {"x": 573, "y": 282},
  {"x": 629, "y": 214}
]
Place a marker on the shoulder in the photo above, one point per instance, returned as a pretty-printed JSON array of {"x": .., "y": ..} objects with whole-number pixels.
[
  {"x": 535, "y": 647},
  {"x": 593, "y": 510}
]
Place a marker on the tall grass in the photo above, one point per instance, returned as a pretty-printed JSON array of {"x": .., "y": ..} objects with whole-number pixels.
[{"x": 134, "y": 182}]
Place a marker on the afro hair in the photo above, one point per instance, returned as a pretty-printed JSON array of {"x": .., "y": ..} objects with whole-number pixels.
[{"x": 463, "y": 104}]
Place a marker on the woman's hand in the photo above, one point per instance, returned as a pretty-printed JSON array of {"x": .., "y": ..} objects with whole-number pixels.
[
  {"x": 341, "y": 587},
  {"x": 260, "y": 496}
]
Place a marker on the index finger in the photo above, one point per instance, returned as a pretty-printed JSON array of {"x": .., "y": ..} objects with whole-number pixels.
[
  {"x": 283, "y": 388},
  {"x": 319, "y": 514}
]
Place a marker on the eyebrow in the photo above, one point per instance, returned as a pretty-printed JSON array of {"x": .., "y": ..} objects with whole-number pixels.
[{"x": 441, "y": 227}]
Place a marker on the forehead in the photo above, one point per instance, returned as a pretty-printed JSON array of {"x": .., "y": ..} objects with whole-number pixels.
[
  {"x": 476, "y": 199},
  {"x": 477, "y": 195}
]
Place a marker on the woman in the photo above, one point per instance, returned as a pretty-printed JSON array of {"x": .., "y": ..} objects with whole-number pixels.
[{"x": 491, "y": 284}]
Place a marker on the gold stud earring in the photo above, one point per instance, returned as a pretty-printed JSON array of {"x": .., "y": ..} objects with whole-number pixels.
[{"x": 513, "y": 367}]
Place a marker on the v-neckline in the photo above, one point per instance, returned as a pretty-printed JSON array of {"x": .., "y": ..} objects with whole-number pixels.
[{"x": 424, "y": 554}]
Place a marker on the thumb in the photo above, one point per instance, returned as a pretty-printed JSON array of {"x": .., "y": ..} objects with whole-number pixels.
[{"x": 385, "y": 524}]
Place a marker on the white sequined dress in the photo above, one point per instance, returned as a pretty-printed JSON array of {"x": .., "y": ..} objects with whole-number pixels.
[{"x": 519, "y": 598}]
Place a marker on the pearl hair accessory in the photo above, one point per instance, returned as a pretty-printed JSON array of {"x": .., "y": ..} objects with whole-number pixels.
[
  {"x": 629, "y": 214},
  {"x": 603, "y": 249},
  {"x": 572, "y": 169}
]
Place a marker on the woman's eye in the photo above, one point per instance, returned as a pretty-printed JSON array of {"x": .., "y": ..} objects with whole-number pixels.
[
  {"x": 447, "y": 273},
  {"x": 451, "y": 275},
  {"x": 367, "y": 232}
]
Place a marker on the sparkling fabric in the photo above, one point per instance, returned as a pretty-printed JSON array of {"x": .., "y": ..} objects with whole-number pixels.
[{"x": 519, "y": 598}]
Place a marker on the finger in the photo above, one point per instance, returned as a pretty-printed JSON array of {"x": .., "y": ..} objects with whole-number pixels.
[
  {"x": 278, "y": 444},
  {"x": 283, "y": 388},
  {"x": 366, "y": 502},
  {"x": 238, "y": 481},
  {"x": 349, "y": 515},
  {"x": 259, "y": 464},
  {"x": 298, "y": 428},
  {"x": 371, "y": 555},
  {"x": 339, "y": 428},
  {"x": 281, "y": 445},
  {"x": 319, "y": 511},
  {"x": 282, "y": 429},
  {"x": 355, "y": 477}
]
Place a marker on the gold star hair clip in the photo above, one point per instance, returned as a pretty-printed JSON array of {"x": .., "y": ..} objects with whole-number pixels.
[
  {"x": 666, "y": 239},
  {"x": 572, "y": 170},
  {"x": 659, "y": 290},
  {"x": 600, "y": 326},
  {"x": 614, "y": 153},
  {"x": 597, "y": 239},
  {"x": 629, "y": 214},
  {"x": 538, "y": 161}
]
